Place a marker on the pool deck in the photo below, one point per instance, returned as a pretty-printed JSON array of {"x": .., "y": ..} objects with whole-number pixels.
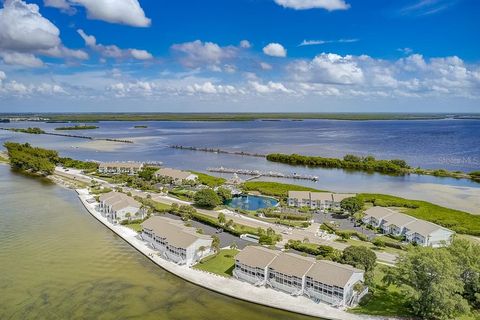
[{"x": 226, "y": 286}]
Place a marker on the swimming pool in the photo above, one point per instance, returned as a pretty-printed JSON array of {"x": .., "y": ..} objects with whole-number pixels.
[{"x": 249, "y": 202}]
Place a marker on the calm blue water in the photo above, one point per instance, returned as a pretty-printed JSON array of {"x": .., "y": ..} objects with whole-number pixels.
[
  {"x": 248, "y": 202},
  {"x": 450, "y": 144}
]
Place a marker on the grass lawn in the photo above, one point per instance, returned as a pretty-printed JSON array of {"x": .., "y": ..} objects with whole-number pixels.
[
  {"x": 459, "y": 221},
  {"x": 135, "y": 226},
  {"x": 472, "y": 239},
  {"x": 155, "y": 205},
  {"x": 353, "y": 242},
  {"x": 222, "y": 263},
  {"x": 385, "y": 301},
  {"x": 209, "y": 180},
  {"x": 274, "y": 188}
]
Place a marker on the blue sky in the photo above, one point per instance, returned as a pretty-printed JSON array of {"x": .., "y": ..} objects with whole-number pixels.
[{"x": 240, "y": 55}]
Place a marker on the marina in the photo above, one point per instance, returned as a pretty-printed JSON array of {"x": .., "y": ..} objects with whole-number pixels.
[{"x": 259, "y": 173}]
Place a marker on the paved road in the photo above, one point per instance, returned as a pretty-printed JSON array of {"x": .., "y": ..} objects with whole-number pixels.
[{"x": 287, "y": 233}]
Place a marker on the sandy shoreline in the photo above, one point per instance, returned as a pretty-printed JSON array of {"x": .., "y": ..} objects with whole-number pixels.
[
  {"x": 227, "y": 286},
  {"x": 454, "y": 197},
  {"x": 100, "y": 145}
]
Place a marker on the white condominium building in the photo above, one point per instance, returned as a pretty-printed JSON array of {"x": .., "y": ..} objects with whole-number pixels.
[
  {"x": 414, "y": 230},
  {"x": 175, "y": 241},
  {"x": 320, "y": 280},
  {"x": 117, "y": 206},
  {"x": 317, "y": 200}
]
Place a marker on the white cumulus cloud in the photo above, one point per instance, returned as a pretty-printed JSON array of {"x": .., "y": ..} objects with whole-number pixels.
[
  {"x": 245, "y": 44},
  {"x": 128, "y": 12},
  {"x": 112, "y": 51},
  {"x": 23, "y": 28},
  {"x": 21, "y": 59},
  {"x": 329, "y": 5},
  {"x": 329, "y": 68},
  {"x": 197, "y": 54},
  {"x": 25, "y": 33},
  {"x": 275, "y": 50},
  {"x": 270, "y": 87}
]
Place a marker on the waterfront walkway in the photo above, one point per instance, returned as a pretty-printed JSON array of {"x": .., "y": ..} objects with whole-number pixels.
[{"x": 227, "y": 286}]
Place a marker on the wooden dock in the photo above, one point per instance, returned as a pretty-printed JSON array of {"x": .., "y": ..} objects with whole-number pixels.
[{"x": 258, "y": 174}]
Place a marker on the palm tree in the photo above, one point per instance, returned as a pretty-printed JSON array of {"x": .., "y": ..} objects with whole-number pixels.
[
  {"x": 221, "y": 218},
  {"x": 215, "y": 243},
  {"x": 202, "y": 249}
]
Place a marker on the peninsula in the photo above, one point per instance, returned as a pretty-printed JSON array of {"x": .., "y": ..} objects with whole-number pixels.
[{"x": 352, "y": 238}]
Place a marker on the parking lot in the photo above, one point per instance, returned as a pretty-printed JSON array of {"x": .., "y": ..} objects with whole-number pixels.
[{"x": 343, "y": 222}]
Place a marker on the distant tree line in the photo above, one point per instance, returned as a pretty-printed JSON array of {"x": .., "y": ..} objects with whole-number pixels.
[
  {"x": 350, "y": 162},
  {"x": 84, "y": 127}
]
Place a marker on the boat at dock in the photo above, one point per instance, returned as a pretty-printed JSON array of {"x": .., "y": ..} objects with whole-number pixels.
[{"x": 259, "y": 173}]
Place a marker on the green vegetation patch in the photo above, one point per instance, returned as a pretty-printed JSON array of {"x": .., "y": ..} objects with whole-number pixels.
[
  {"x": 135, "y": 226},
  {"x": 275, "y": 189},
  {"x": 76, "y": 128},
  {"x": 221, "y": 263},
  {"x": 29, "y": 130},
  {"x": 321, "y": 251},
  {"x": 209, "y": 180},
  {"x": 24, "y": 157},
  {"x": 78, "y": 164},
  {"x": 383, "y": 300},
  {"x": 155, "y": 205},
  {"x": 459, "y": 221},
  {"x": 350, "y": 162}
]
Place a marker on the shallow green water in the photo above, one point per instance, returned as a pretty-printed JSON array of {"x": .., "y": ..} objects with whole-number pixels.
[{"x": 57, "y": 262}]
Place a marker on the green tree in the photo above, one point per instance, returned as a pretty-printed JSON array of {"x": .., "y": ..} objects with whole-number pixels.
[
  {"x": 467, "y": 257},
  {"x": 147, "y": 173},
  {"x": 224, "y": 194},
  {"x": 215, "y": 243},
  {"x": 369, "y": 159},
  {"x": 352, "y": 204},
  {"x": 202, "y": 249},
  {"x": 351, "y": 158},
  {"x": 432, "y": 281},
  {"x": 401, "y": 163},
  {"x": 174, "y": 208},
  {"x": 207, "y": 198},
  {"x": 186, "y": 212},
  {"x": 221, "y": 218},
  {"x": 360, "y": 257},
  {"x": 229, "y": 224}
]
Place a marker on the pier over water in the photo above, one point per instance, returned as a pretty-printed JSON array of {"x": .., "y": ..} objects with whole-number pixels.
[{"x": 258, "y": 173}]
